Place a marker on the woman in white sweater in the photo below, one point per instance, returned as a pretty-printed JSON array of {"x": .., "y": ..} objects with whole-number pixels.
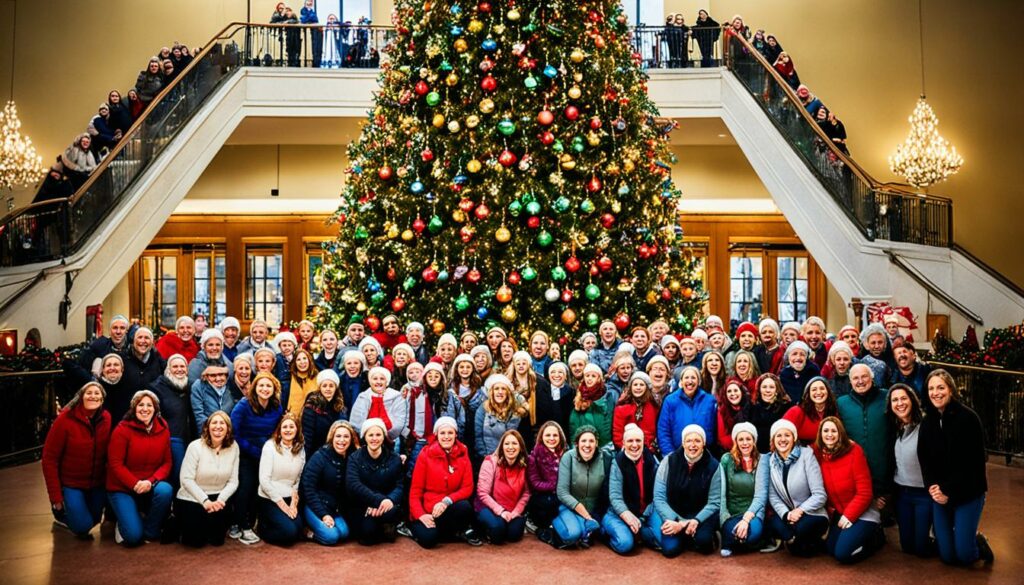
[
  {"x": 280, "y": 470},
  {"x": 209, "y": 476}
]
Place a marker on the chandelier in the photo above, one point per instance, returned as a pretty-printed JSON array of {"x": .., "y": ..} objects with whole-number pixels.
[
  {"x": 925, "y": 157},
  {"x": 20, "y": 166},
  {"x": 19, "y": 163}
]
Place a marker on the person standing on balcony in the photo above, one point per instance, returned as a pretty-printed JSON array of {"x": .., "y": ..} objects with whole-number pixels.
[
  {"x": 784, "y": 65},
  {"x": 104, "y": 136},
  {"x": 707, "y": 32},
  {"x": 772, "y": 49},
  {"x": 307, "y": 15},
  {"x": 293, "y": 38},
  {"x": 680, "y": 37},
  {"x": 835, "y": 130},
  {"x": 278, "y": 17}
]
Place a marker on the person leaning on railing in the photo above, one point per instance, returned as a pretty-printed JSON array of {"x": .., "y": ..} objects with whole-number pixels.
[
  {"x": 706, "y": 30},
  {"x": 79, "y": 160},
  {"x": 149, "y": 82}
]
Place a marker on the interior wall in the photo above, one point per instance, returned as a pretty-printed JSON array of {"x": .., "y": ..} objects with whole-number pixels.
[
  {"x": 117, "y": 302},
  {"x": 716, "y": 172},
  {"x": 304, "y": 172}
]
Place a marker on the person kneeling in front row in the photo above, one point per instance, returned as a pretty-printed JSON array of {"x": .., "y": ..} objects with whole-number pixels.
[
  {"x": 631, "y": 494},
  {"x": 686, "y": 497}
]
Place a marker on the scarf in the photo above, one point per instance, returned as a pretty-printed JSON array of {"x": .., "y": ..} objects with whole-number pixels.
[
  {"x": 428, "y": 413},
  {"x": 591, "y": 394},
  {"x": 378, "y": 410}
]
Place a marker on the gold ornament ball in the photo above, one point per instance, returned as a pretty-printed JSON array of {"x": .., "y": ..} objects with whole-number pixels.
[
  {"x": 568, "y": 317},
  {"x": 577, "y": 77},
  {"x": 651, "y": 298},
  {"x": 508, "y": 314},
  {"x": 575, "y": 92},
  {"x": 393, "y": 232},
  {"x": 513, "y": 15},
  {"x": 486, "y": 105},
  {"x": 472, "y": 121},
  {"x": 458, "y": 216},
  {"x": 361, "y": 307},
  {"x": 568, "y": 163},
  {"x": 454, "y": 126},
  {"x": 475, "y": 26},
  {"x": 628, "y": 166},
  {"x": 407, "y": 235},
  {"x": 452, "y": 79},
  {"x": 437, "y": 327},
  {"x": 576, "y": 56},
  {"x": 438, "y": 121},
  {"x": 674, "y": 285},
  {"x": 593, "y": 139},
  {"x": 502, "y": 235},
  {"x": 474, "y": 166},
  {"x": 461, "y": 45}
]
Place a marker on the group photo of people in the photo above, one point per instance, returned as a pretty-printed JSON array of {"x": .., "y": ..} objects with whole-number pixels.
[{"x": 766, "y": 438}]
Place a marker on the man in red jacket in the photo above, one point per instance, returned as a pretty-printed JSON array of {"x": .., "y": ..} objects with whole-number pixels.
[{"x": 391, "y": 333}]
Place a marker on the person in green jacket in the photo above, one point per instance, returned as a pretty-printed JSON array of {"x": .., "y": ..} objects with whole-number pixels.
[
  {"x": 863, "y": 414},
  {"x": 594, "y": 407},
  {"x": 743, "y": 475},
  {"x": 582, "y": 491}
]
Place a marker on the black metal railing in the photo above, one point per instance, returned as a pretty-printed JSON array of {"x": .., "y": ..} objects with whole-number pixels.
[
  {"x": 31, "y": 403},
  {"x": 879, "y": 211},
  {"x": 997, "y": 395},
  {"x": 671, "y": 47}
]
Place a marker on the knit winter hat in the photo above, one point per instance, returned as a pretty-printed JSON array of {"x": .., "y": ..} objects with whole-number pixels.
[
  {"x": 327, "y": 374},
  {"x": 245, "y": 357},
  {"x": 593, "y": 368},
  {"x": 714, "y": 321},
  {"x": 433, "y": 366},
  {"x": 462, "y": 357},
  {"x": 891, "y": 318},
  {"x": 840, "y": 346},
  {"x": 498, "y": 329},
  {"x": 791, "y": 325},
  {"x": 699, "y": 333},
  {"x": 687, "y": 341},
  {"x": 447, "y": 339},
  {"x": 229, "y": 322},
  {"x": 632, "y": 430},
  {"x": 415, "y": 326},
  {"x": 373, "y": 422},
  {"x": 280, "y": 337},
  {"x": 257, "y": 353},
  {"x": 579, "y": 356},
  {"x": 797, "y": 345},
  {"x": 872, "y": 329},
  {"x": 638, "y": 375},
  {"x": 846, "y": 328},
  {"x": 176, "y": 356},
  {"x": 183, "y": 319},
  {"x": 586, "y": 335},
  {"x": 496, "y": 380},
  {"x": 744, "y": 427},
  {"x": 692, "y": 428},
  {"x": 521, "y": 355},
  {"x": 583, "y": 429},
  {"x": 559, "y": 365},
  {"x": 120, "y": 318},
  {"x": 771, "y": 324},
  {"x": 480, "y": 349},
  {"x": 669, "y": 338},
  {"x": 659, "y": 359},
  {"x": 404, "y": 347},
  {"x": 210, "y": 333},
  {"x": 370, "y": 341},
  {"x": 380, "y": 370},
  {"x": 783, "y": 424},
  {"x": 354, "y": 353},
  {"x": 747, "y": 327},
  {"x": 445, "y": 421}
]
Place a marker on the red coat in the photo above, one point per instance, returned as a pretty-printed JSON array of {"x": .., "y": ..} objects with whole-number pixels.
[
  {"x": 806, "y": 427},
  {"x": 388, "y": 342},
  {"x": 438, "y": 475},
  {"x": 171, "y": 344},
  {"x": 624, "y": 414},
  {"x": 75, "y": 452},
  {"x": 135, "y": 455},
  {"x": 847, "y": 482}
]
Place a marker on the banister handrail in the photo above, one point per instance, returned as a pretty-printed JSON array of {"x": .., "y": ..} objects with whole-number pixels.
[{"x": 988, "y": 269}]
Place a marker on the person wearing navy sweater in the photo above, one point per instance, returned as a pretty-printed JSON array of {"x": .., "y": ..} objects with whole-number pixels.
[
  {"x": 798, "y": 370},
  {"x": 75, "y": 460},
  {"x": 328, "y": 358},
  {"x": 253, "y": 419},
  {"x": 373, "y": 478},
  {"x": 690, "y": 405},
  {"x": 352, "y": 378},
  {"x": 631, "y": 494},
  {"x": 686, "y": 497},
  {"x": 326, "y": 508}
]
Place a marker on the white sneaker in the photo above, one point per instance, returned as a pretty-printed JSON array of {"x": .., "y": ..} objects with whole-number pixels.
[
  {"x": 234, "y": 532},
  {"x": 117, "y": 534},
  {"x": 248, "y": 537},
  {"x": 726, "y": 552}
]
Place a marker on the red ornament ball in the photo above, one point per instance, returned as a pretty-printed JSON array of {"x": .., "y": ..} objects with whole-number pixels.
[
  {"x": 392, "y": 274},
  {"x": 595, "y": 123},
  {"x": 422, "y": 88},
  {"x": 567, "y": 296},
  {"x": 666, "y": 294},
  {"x": 372, "y": 322},
  {"x": 572, "y": 264},
  {"x": 385, "y": 173},
  {"x": 398, "y": 304},
  {"x": 533, "y": 222},
  {"x": 594, "y": 270},
  {"x": 418, "y": 225},
  {"x": 514, "y": 278},
  {"x": 473, "y": 276},
  {"x": 622, "y": 322},
  {"x": 607, "y": 221},
  {"x": 482, "y": 211},
  {"x": 466, "y": 204},
  {"x": 594, "y": 184},
  {"x": 604, "y": 263},
  {"x": 484, "y": 7},
  {"x": 427, "y": 155},
  {"x": 545, "y": 118},
  {"x": 430, "y": 274},
  {"x": 489, "y": 83},
  {"x": 572, "y": 112},
  {"x": 547, "y": 138},
  {"x": 507, "y": 158}
]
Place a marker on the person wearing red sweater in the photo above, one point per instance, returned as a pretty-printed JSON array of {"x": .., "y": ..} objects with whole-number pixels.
[
  {"x": 818, "y": 402},
  {"x": 442, "y": 485},
  {"x": 503, "y": 491},
  {"x": 733, "y": 407},
  {"x": 182, "y": 341},
  {"x": 390, "y": 334},
  {"x": 139, "y": 459},
  {"x": 856, "y": 529},
  {"x": 637, "y": 405},
  {"x": 75, "y": 460}
]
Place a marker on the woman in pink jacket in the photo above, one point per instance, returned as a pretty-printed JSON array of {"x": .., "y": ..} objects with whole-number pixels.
[{"x": 502, "y": 490}]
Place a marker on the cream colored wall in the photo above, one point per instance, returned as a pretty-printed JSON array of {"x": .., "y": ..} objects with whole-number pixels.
[
  {"x": 306, "y": 172},
  {"x": 716, "y": 172},
  {"x": 117, "y": 302}
]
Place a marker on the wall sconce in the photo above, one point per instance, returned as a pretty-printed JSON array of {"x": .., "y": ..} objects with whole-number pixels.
[{"x": 9, "y": 342}]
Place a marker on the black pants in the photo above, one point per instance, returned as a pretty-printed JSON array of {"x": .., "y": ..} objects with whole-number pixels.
[
  {"x": 275, "y": 526},
  {"x": 244, "y": 500},
  {"x": 542, "y": 509},
  {"x": 199, "y": 527},
  {"x": 370, "y": 530},
  {"x": 455, "y": 520}
]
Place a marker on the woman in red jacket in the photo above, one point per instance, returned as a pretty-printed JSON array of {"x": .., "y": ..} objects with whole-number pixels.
[
  {"x": 75, "y": 460},
  {"x": 818, "y": 403},
  {"x": 855, "y": 530},
  {"x": 503, "y": 490},
  {"x": 637, "y": 405},
  {"x": 139, "y": 462},
  {"x": 442, "y": 485}
]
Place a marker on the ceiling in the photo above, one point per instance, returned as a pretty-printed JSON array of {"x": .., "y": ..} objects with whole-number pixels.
[{"x": 341, "y": 131}]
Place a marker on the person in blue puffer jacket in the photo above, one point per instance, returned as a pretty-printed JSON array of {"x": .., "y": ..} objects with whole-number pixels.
[{"x": 689, "y": 405}]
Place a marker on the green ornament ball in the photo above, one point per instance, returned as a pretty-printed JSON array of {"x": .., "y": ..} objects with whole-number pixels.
[
  {"x": 587, "y": 206},
  {"x": 435, "y": 224},
  {"x": 529, "y": 274},
  {"x": 361, "y": 234},
  {"x": 514, "y": 208},
  {"x": 506, "y": 127},
  {"x": 561, "y": 204},
  {"x": 409, "y": 283},
  {"x": 558, "y": 146},
  {"x": 593, "y": 320},
  {"x": 577, "y": 144},
  {"x": 433, "y": 98},
  {"x": 533, "y": 208},
  {"x": 544, "y": 238},
  {"x": 462, "y": 303},
  {"x": 558, "y": 273},
  {"x": 530, "y": 82},
  {"x": 378, "y": 297},
  {"x": 592, "y": 292}
]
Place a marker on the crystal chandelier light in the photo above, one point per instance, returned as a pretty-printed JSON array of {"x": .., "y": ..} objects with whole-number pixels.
[
  {"x": 20, "y": 166},
  {"x": 925, "y": 157}
]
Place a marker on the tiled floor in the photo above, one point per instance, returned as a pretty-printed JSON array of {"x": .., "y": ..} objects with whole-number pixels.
[{"x": 31, "y": 551}]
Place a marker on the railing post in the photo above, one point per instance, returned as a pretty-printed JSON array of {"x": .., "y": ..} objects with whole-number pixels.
[{"x": 65, "y": 228}]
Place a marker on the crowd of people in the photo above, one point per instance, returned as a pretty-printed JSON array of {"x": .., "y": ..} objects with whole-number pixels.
[
  {"x": 336, "y": 44},
  {"x": 114, "y": 117},
  {"x": 774, "y": 437}
]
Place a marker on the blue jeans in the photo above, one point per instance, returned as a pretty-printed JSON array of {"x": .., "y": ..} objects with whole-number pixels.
[
  {"x": 414, "y": 453},
  {"x": 177, "y": 456},
  {"x": 83, "y": 509},
  {"x": 802, "y": 538},
  {"x": 754, "y": 531},
  {"x": 956, "y": 529},
  {"x": 853, "y": 544},
  {"x": 321, "y": 533},
  {"x": 702, "y": 541},
  {"x": 620, "y": 538},
  {"x": 571, "y": 527},
  {"x": 275, "y": 526},
  {"x": 914, "y": 516},
  {"x": 130, "y": 508},
  {"x": 500, "y": 531}
]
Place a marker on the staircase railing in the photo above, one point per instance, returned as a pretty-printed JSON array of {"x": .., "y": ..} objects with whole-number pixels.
[{"x": 880, "y": 211}]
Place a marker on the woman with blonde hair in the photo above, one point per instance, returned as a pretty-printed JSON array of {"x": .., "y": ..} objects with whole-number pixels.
[
  {"x": 743, "y": 478},
  {"x": 209, "y": 477},
  {"x": 280, "y": 471},
  {"x": 527, "y": 385},
  {"x": 326, "y": 508},
  {"x": 303, "y": 380},
  {"x": 503, "y": 490},
  {"x": 501, "y": 412},
  {"x": 507, "y": 348}
]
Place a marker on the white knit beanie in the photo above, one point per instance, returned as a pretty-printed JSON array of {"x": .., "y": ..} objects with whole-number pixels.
[
  {"x": 370, "y": 423},
  {"x": 783, "y": 424},
  {"x": 632, "y": 430},
  {"x": 327, "y": 374},
  {"x": 744, "y": 427},
  {"x": 692, "y": 428}
]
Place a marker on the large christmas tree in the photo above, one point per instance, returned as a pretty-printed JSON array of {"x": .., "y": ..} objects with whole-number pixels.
[{"x": 513, "y": 170}]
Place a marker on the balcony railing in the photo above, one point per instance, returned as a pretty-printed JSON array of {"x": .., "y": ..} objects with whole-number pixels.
[{"x": 879, "y": 211}]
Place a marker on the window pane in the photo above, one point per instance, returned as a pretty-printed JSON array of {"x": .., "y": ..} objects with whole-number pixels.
[
  {"x": 801, "y": 291},
  {"x": 801, "y": 268},
  {"x": 170, "y": 267},
  {"x": 221, "y": 267},
  {"x": 273, "y": 266},
  {"x": 786, "y": 291},
  {"x": 169, "y": 291},
  {"x": 785, "y": 268},
  {"x": 786, "y": 312},
  {"x": 202, "y": 268}
]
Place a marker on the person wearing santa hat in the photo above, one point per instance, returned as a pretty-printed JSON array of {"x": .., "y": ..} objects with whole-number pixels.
[{"x": 383, "y": 402}]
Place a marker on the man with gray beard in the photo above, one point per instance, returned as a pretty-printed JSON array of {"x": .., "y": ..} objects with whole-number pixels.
[{"x": 176, "y": 408}]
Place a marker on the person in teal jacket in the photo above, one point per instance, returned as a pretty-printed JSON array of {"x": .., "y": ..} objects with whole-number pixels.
[
  {"x": 593, "y": 406},
  {"x": 690, "y": 405},
  {"x": 863, "y": 414},
  {"x": 743, "y": 477},
  {"x": 582, "y": 491},
  {"x": 686, "y": 497}
]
